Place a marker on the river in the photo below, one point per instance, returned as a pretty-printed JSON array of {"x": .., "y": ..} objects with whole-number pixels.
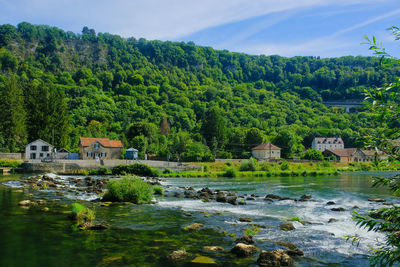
[{"x": 143, "y": 235}]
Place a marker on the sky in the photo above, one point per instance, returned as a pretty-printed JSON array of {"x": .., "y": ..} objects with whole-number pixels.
[{"x": 325, "y": 28}]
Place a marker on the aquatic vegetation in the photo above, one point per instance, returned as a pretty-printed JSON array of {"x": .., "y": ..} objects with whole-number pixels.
[
  {"x": 129, "y": 189},
  {"x": 158, "y": 190},
  {"x": 136, "y": 168},
  {"x": 295, "y": 219},
  {"x": 252, "y": 231},
  {"x": 83, "y": 216}
]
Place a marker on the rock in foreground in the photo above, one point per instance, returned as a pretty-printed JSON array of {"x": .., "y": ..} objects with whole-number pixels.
[
  {"x": 275, "y": 258},
  {"x": 243, "y": 250}
]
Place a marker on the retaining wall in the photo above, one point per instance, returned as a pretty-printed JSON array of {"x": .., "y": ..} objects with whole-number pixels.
[{"x": 17, "y": 156}]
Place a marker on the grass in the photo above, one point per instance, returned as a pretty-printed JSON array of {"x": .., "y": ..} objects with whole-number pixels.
[
  {"x": 129, "y": 189},
  {"x": 252, "y": 231},
  {"x": 83, "y": 216},
  {"x": 10, "y": 163},
  {"x": 158, "y": 190}
]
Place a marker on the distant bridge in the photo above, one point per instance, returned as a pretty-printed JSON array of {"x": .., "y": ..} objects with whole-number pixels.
[{"x": 346, "y": 104}]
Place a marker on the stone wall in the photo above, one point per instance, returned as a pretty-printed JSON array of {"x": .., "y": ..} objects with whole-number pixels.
[
  {"x": 63, "y": 165},
  {"x": 18, "y": 156}
]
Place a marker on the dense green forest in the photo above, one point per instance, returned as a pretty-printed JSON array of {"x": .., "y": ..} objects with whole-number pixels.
[{"x": 169, "y": 98}]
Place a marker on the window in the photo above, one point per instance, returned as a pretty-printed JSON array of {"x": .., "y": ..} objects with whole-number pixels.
[
  {"x": 103, "y": 154},
  {"x": 41, "y": 155},
  {"x": 45, "y": 148},
  {"x": 96, "y": 146},
  {"x": 33, "y": 147},
  {"x": 33, "y": 155},
  {"x": 89, "y": 154}
]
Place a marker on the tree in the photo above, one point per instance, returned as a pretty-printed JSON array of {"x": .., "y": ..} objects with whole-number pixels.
[
  {"x": 12, "y": 115},
  {"x": 288, "y": 141},
  {"x": 254, "y": 137},
  {"x": 214, "y": 128},
  {"x": 385, "y": 101}
]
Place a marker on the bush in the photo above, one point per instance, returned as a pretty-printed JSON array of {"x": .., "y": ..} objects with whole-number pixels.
[
  {"x": 313, "y": 154},
  {"x": 285, "y": 166},
  {"x": 136, "y": 168},
  {"x": 83, "y": 216},
  {"x": 230, "y": 172},
  {"x": 101, "y": 171},
  {"x": 10, "y": 163},
  {"x": 128, "y": 189},
  {"x": 248, "y": 165},
  {"x": 158, "y": 190},
  {"x": 228, "y": 163}
]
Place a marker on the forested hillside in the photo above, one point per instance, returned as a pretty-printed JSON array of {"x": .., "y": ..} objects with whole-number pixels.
[{"x": 172, "y": 98}]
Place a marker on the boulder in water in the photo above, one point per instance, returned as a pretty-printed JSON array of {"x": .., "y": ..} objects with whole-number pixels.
[
  {"x": 243, "y": 250},
  {"x": 213, "y": 248},
  {"x": 287, "y": 226},
  {"x": 202, "y": 261},
  {"x": 25, "y": 202},
  {"x": 275, "y": 258},
  {"x": 245, "y": 239},
  {"x": 193, "y": 227},
  {"x": 338, "y": 209},
  {"x": 330, "y": 203},
  {"x": 376, "y": 200}
]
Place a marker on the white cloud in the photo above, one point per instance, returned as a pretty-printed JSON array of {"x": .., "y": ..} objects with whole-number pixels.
[{"x": 152, "y": 19}]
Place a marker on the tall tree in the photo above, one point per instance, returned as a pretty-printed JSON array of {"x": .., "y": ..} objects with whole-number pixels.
[
  {"x": 12, "y": 115},
  {"x": 214, "y": 128}
]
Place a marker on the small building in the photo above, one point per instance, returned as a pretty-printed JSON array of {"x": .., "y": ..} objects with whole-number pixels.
[
  {"x": 266, "y": 151},
  {"x": 341, "y": 155},
  {"x": 38, "y": 149},
  {"x": 131, "y": 153},
  {"x": 324, "y": 143},
  {"x": 62, "y": 153},
  {"x": 99, "y": 148}
]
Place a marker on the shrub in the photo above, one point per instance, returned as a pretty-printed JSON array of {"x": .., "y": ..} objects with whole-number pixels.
[
  {"x": 136, "y": 168},
  {"x": 248, "y": 165},
  {"x": 285, "y": 166},
  {"x": 10, "y": 163},
  {"x": 167, "y": 171},
  {"x": 206, "y": 168},
  {"x": 313, "y": 154},
  {"x": 128, "y": 189},
  {"x": 101, "y": 171},
  {"x": 83, "y": 216},
  {"x": 158, "y": 190},
  {"x": 229, "y": 164},
  {"x": 230, "y": 172}
]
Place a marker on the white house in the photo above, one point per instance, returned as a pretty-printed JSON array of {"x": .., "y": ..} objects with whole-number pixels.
[
  {"x": 38, "y": 149},
  {"x": 324, "y": 143},
  {"x": 266, "y": 151}
]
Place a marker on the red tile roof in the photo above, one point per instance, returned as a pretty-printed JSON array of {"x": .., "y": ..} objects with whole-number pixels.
[
  {"x": 266, "y": 146},
  {"x": 87, "y": 141}
]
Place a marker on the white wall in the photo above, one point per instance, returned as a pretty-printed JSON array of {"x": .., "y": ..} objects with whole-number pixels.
[{"x": 39, "y": 152}]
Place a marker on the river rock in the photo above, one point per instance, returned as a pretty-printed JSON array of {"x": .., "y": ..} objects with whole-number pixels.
[
  {"x": 376, "y": 200},
  {"x": 25, "y": 203},
  {"x": 286, "y": 244},
  {"x": 275, "y": 258},
  {"x": 213, "y": 248},
  {"x": 288, "y": 226},
  {"x": 243, "y": 250},
  {"x": 305, "y": 197},
  {"x": 330, "y": 203},
  {"x": 355, "y": 207},
  {"x": 100, "y": 226},
  {"x": 338, "y": 209},
  {"x": 245, "y": 239},
  {"x": 250, "y": 198},
  {"x": 232, "y": 201},
  {"x": 295, "y": 252},
  {"x": 178, "y": 256},
  {"x": 193, "y": 227},
  {"x": 331, "y": 220},
  {"x": 242, "y": 202},
  {"x": 202, "y": 261},
  {"x": 273, "y": 196},
  {"x": 245, "y": 219},
  {"x": 221, "y": 197}
]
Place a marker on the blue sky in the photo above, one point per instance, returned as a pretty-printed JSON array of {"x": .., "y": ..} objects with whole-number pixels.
[{"x": 326, "y": 28}]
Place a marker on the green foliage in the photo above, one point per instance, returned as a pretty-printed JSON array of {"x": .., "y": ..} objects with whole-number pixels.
[
  {"x": 230, "y": 172},
  {"x": 313, "y": 154},
  {"x": 137, "y": 169},
  {"x": 384, "y": 101},
  {"x": 10, "y": 163},
  {"x": 285, "y": 166},
  {"x": 158, "y": 190},
  {"x": 252, "y": 231},
  {"x": 248, "y": 165},
  {"x": 101, "y": 171},
  {"x": 295, "y": 219},
  {"x": 128, "y": 189},
  {"x": 83, "y": 216}
]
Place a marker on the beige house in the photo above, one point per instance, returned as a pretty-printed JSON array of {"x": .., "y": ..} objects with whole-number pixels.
[
  {"x": 99, "y": 148},
  {"x": 38, "y": 149},
  {"x": 323, "y": 143},
  {"x": 354, "y": 154},
  {"x": 266, "y": 151}
]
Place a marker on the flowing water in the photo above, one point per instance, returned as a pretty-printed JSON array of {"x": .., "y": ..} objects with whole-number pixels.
[{"x": 143, "y": 235}]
